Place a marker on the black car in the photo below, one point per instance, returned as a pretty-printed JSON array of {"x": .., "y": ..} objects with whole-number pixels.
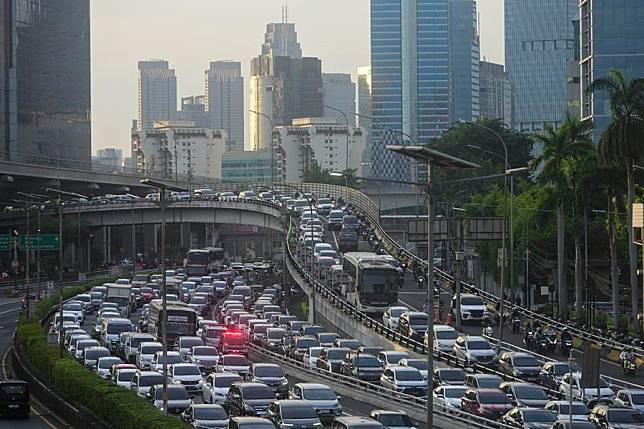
[
  {"x": 520, "y": 365},
  {"x": 300, "y": 345},
  {"x": 273, "y": 339},
  {"x": 608, "y": 417},
  {"x": 271, "y": 375},
  {"x": 525, "y": 394},
  {"x": 363, "y": 366},
  {"x": 552, "y": 372},
  {"x": 348, "y": 241},
  {"x": 14, "y": 399},
  {"x": 249, "y": 399},
  {"x": 293, "y": 413}
]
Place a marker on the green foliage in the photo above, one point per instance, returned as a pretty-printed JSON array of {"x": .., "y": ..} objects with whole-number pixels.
[
  {"x": 316, "y": 174},
  {"x": 43, "y": 306}
]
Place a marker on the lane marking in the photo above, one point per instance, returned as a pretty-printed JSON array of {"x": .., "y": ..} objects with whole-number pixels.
[
  {"x": 8, "y": 302},
  {"x": 13, "y": 310}
]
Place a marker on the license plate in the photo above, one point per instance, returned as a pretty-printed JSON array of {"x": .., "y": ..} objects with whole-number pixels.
[{"x": 14, "y": 406}]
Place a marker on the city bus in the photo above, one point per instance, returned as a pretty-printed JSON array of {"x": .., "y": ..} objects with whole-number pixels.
[
  {"x": 182, "y": 322},
  {"x": 371, "y": 283},
  {"x": 201, "y": 262}
]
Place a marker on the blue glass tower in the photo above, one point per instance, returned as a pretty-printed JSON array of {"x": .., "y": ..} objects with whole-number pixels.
[{"x": 410, "y": 78}]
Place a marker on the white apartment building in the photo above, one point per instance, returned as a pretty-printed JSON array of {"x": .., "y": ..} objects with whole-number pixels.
[
  {"x": 179, "y": 150},
  {"x": 321, "y": 139}
]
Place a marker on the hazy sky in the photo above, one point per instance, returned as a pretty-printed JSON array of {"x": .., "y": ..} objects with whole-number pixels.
[{"x": 191, "y": 33}]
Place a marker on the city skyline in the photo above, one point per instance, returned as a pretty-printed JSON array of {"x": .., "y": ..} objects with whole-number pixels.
[{"x": 114, "y": 55}]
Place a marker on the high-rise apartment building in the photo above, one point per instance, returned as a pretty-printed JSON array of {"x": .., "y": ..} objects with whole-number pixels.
[
  {"x": 45, "y": 82},
  {"x": 495, "y": 93},
  {"x": 193, "y": 108},
  {"x": 611, "y": 38},
  {"x": 110, "y": 158},
  {"x": 539, "y": 41},
  {"x": 464, "y": 61},
  {"x": 157, "y": 93},
  {"x": 339, "y": 92},
  {"x": 225, "y": 100},
  {"x": 410, "y": 78},
  {"x": 364, "y": 111}
]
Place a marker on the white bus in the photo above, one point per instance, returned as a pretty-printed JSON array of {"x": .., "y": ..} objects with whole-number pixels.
[{"x": 371, "y": 282}]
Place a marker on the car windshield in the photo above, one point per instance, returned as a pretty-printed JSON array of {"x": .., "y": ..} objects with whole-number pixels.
[
  {"x": 118, "y": 328},
  {"x": 236, "y": 360},
  {"x": 275, "y": 334},
  {"x": 446, "y": 335},
  {"x": 174, "y": 393},
  {"x": 418, "y": 320},
  {"x": 210, "y": 413},
  {"x": 325, "y": 201},
  {"x": 638, "y": 398},
  {"x": 126, "y": 375},
  {"x": 187, "y": 343},
  {"x": 226, "y": 381},
  {"x": 269, "y": 371},
  {"x": 72, "y": 307},
  {"x": 336, "y": 353},
  {"x": 394, "y": 358},
  {"x": 478, "y": 345},
  {"x": 305, "y": 343},
  {"x": 186, "y": 370},
  {"x": 472, "y": 301},
  {"x": 563, "y": 368},
  {"x": 455, "y": 392},
  {"x": 625, "y": 416},
  {"x": 258, "y": 392},
  {"x": 367, "y": 362},
  {"x": 379, "y": 282},
  {"x": 525, "y": 361},
  {"x": 493, "y": 398},
  {"x": 327, "y": 337},
  {"x": 577, "y": 409},
  {"x": 149, "y": 350},
  {"x": 198, "y": 300},
  {"x": 395, "y": 420},
  {"x": 204, "y": 351},
  {"x": 318, "y": 394},
  {"x": 234, "y": 340},
  {"x": 150, "y": 380},
  {"x": 298, "y": 412},
  {"x": 542, "y": 416},
  {"x": 419, "y": 364},
  {"x": 452, "y": 375},
  {"x": 172, "y": 358},
  {"x": 107, "y": 363},
  {"x": 95, "y": 354},
  {"x": 489, "y": 382},
  {"x": 530, "y": 392},
  {"x": 408, "y": 375},
  {"x": 396, "y": 312},
  {"x": 14, "y": 389}
]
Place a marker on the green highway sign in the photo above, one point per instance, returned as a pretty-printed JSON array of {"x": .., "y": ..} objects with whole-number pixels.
[
  {"x": 47, "y": 242},
  {"x": 5, "y": 242}
]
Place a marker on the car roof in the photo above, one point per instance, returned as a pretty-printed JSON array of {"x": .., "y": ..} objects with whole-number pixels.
[
  {"x": 313, "y": 386},
  {"x": 266, "y": 365},
  {"x": 390, "y": 412}
]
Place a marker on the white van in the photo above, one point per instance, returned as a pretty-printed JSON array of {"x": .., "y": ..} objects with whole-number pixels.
[{"x": 472, "y": 307}]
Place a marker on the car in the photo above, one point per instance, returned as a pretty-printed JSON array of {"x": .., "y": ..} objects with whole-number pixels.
[
  {"x": 142, "y": 381},
  {"x": 86, "y": 298},
  {"x": 487, "y": 403},
  {"x": 413, "y": 324},
  {"x": 327, "y": 339},
  {"x": 570, "y": 385},
  {"x": 146, "y": 352},
  {"x": 349, "y": 343},
  {"x": 363, "y": 367},
  {"x": 520, "y": 365},
  {"x": 633, "y": 398},
  {"x": 392, "y": 419},
  {"x": 273, "y": 338},
  {"x": 14, "y": 399},
  {"x": 91, "y": 355},
  {"x": 444, "y": 338},
  {"x": 205, "y": 357},
  {"x": 188, "y": 375},
  {"x": 472, "y": 307},
  {"x": 233, "y": 363},
  {"x": 562, "y": 408},
  {"x": 311, "y": 330},
  {"x": 529, "y": 418},
  {"x": 370, "y": 350},
  {"x": 250, "y": 423},
  {"x": 404, "y": 379},
  {"x": 81, "y": 346},
  {"x": 105, "y": 364},
  {"x": 186, "y": 344},
  {"x": 483, "y": 381},
  {"x": 331, "y": 358},
  {"x": 131, "y": 346},
  {"x": 324, "y": 206},
  {"x": 448, "y": 376},
  {"x": 157, "y": 360},
  {"x": 448, "y": 396},
  {"x": 300, "y": 345},
  {"x": 271, "y": 375},
  {"x": 71, "y": 332},
  {"x": 311, "y": 356},
  {"x": 71, "y": 348},
  {"x": 576, "y": 424},
  {"x": 551, "y": 374},
  {"x": 355, "y": 422},
  {"x": 321, "y": 397},
  {"x": 123, "y": 374},
  {"x": 525, "y": 394},
  {"x": 249, "y": 399},
  {"x": 335, "y": 220},
  {"x": 475, "y": 350},
  {"x": 205, "y": 416},
  {"x": 289, "y": 413},
  {"x": 391, "y": 357},
  {"x": 419, "y": 364},
  {"x": 178, "y": 398},
  {"x": 608, "y": 417},
  {"x": 216, "y": 385}
]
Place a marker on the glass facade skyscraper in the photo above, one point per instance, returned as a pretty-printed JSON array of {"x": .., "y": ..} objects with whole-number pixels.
[
  {"x": 465, "y": 60},
  {"x": 611, "y": 38},
  {"x": 410, "y": 78},
  {"x": 539, "y": 41},
  {"x": 45, "y": 81}
]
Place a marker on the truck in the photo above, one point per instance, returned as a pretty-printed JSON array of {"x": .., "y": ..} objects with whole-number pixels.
[{"x": 121, "y": 295}]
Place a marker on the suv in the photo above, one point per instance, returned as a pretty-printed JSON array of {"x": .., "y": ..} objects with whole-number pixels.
[
  {"x": 249, "y": 399},
  {"x": 483, "y": 381},
  {"x": 443, "y": 376},
  {"x": 335, "y": 220},
  {"x": 472, "y": 307},
  {"x": 413, "y": 324},
  {"x": 475, "y": 350},
  {"x": 607, "y": 417},
  {"x": 520, "y": 365},
  {"x": 271, "y": 375},
  {"x": 300, "y": 345},
  {"x": 487, "y": 403},
  {"x": 363, "y": 367},
  {"x": 321, "y": 397},
  {"x": 404, "y": 379},
  {"x": 331, "y": 358},
  {"x": 293, "y": 413},
  {"x": 354, "y": 422},
  {"x": 392, "y": 419},
  {"x": 131, "y": 346},
  {"x": 525, "y": 394}
]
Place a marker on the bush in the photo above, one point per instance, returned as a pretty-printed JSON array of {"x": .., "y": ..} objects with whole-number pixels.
[{"x": 44, "y": 305}]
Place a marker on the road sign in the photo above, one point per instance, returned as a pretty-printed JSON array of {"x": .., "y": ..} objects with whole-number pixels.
[
  {"x": 47, "y": 242},
  {"x": 5, "y": 242}
]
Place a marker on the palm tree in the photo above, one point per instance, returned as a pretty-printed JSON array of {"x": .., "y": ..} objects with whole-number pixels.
[
  {"x": 560, "y": 147},
  {"x": 620, "y": 145}
]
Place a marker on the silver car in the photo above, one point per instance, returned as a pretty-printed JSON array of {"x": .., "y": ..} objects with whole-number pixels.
[
  {"x": 321, "y": 397},
  {"x": 178, "y": 398},
  {"x": 449, "y": 396}
]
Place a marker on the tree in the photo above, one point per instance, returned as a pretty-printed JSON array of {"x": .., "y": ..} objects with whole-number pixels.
[
  {"x": 316, "y": 174},
  {"x": 620, "y": 145},
  {"x": 561, "y": 147}
]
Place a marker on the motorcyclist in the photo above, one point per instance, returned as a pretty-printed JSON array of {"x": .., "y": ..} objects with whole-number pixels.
[
  {"x": 565, "y": 335},
  {"x": 626, "y": 355},
  {"x": 539, "y": 337},
  {"x": 528, "y": 333},
  {"x": 487, "y": 328}
]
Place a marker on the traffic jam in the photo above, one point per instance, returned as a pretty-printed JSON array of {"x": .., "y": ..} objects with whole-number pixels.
[{"x": 215, "y": 310}]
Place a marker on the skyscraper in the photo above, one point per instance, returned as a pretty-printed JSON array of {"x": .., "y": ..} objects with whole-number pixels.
[
  {"x": 225, "y": 100},
  {"x": 539, "y": 41},
  {"x": 611, "y": 38},
  {"x": 464, "y": 61},
  {"x": 157, "y": 93},
  {"x": 496, "y": 93},
  {"x": 280, "y": 40},
  {"x": 193, "y": 110},
  {"x": 410, "y": 77},
  {"x": 45, "y": 81},
  {"x": 339, "y": 92},
  {"x": 364, "y": 109}
]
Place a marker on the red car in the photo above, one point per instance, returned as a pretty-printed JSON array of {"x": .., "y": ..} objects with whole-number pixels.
[
  {"x": 147, "y": 293},
  {"x": 488, "y": 403}
]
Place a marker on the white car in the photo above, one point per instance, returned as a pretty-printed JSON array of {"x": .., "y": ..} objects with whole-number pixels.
[
  {"x": 632, "y": 398},
  {"x": 188, "y": 375},
  {"x": 233, "y": 363},
  {"x": 404, "y": 379},
  {"x": 419, "y": 364},
  {"x": 584, "y": 394},
  {"x": 391, "y": 316},
  {"x": 216, "y": 386},
  {"x": 321, "y": 246},
  {"x": 311, "y": 356},
  {"x": 580, "y": 410},
  {"x": 144, "y": 380},
  {"x": 186, "y": 344},
  {"x": 205, "y": 357},
  {"x": 123, "y": 377},
  {"x": 444, "y": 338},
  {"x": 472, "y": 307},
  {"x": 157, "y": 360},
  {"x": 475, "y": 349},
  {"x": 178, "y": 398},
  {"x": 105, "y": 364},
  {"x": 146, "y": 352},
  {"x": 75, "y": 307},
  {"x": 449, "y": 396}
]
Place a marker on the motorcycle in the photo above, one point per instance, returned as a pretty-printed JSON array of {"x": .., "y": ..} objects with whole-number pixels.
[
  {"x": 420, "y": 282},
  {"x": 565, "y": 346},
  {"x": 516, "y": 325},
  {"x": 629, "y": 367},
  {"x": 528, "y": 340},
  {"x": 488, "y": 331},
  {"x": 541, "y": 345},
  {"x": 551, "y": 341}
]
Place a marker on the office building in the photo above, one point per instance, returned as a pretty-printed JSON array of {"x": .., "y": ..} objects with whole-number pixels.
[
  {"x": 464, "y": 61},
  {"x": 364, "y": 111},
  {"x": 193, "y": 109},
  {"x": 225, "y": 101},
  {"x": 246, "y": 166},
  {"x": 339, "y": 92},
  {"x": 111, "y": 158},
  {"x": 320, "y": 140},
  {"x": 179, "y": 150},
  {"x": 539, "y": 42},
  {"x": 45, "y": 82},
  {"x": 410, "y": 78},
  {"x": 157, "y": 93},
  {"x": 280, "y": 40},
  {"x": 573, "y": 73},
  {"x": 495, "y": 93},
  {"x": 611, "y": 38}
]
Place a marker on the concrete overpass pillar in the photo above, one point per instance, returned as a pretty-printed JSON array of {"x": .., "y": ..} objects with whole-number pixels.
[
  {"x": 185, "y": 235},
  {"x": 127, "y": 240},
  {"x": 108, "y": 243},
  {"x": 148, "y": 244}
]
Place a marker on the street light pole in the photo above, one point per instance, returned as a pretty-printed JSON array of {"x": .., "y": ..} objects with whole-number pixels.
[{"x": 270, "y": 121}]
